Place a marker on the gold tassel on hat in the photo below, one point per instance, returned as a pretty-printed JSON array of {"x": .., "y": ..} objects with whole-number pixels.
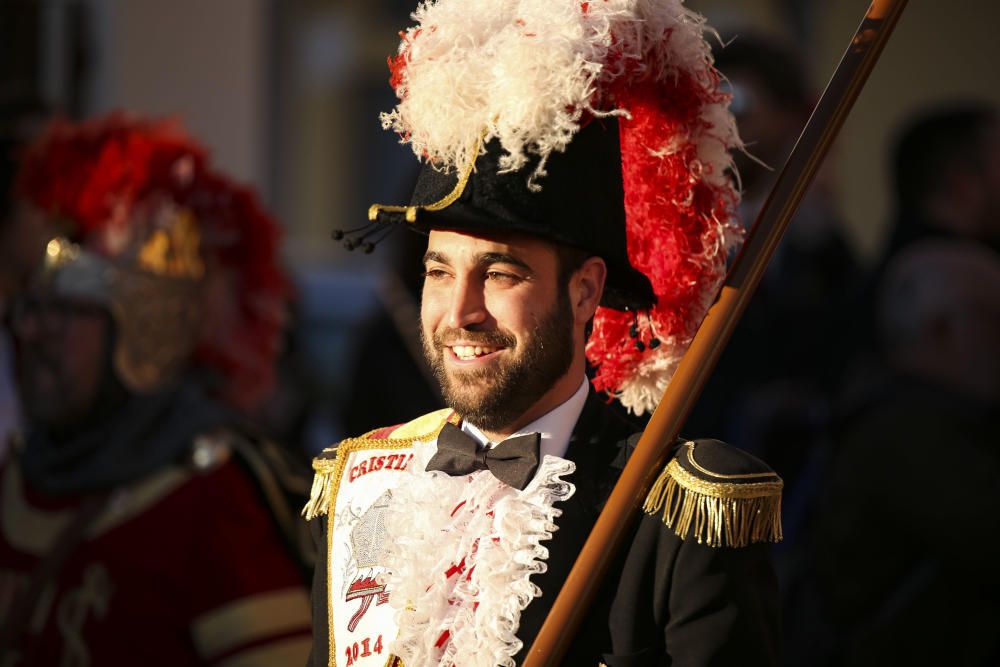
[{"x": 733, "y": 514}]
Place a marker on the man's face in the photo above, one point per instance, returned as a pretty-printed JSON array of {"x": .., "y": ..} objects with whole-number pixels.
[
  {"x": 497, "y": 327},
  {"x": 62, "y": 357}
]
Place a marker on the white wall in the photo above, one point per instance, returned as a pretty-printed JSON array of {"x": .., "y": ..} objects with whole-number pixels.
[{"x": 203, "y": 60}]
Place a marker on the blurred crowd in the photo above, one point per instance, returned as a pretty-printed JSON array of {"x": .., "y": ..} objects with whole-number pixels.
[
  {"x": 156, "y": 453},
  {"x": 873, "y": 388}
]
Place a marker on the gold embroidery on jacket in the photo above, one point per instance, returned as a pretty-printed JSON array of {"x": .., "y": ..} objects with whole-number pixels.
[{"x": 329, "y": 473}]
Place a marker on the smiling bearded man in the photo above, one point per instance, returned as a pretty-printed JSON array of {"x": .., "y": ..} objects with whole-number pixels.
[
  {"x": 488, "y": 373},
  {"x": 575, "y": 183}
]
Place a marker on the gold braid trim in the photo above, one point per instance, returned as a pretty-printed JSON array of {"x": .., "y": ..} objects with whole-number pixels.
[
  {"x": 328, "y": 470},
  {"x": 721, "y": 514},
  {"x": 410, "y": 212}
]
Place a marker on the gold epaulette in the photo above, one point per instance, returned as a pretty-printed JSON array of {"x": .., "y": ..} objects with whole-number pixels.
[
  {"x": 722, "y": 495},
  {"x": 327, "y": 472}
]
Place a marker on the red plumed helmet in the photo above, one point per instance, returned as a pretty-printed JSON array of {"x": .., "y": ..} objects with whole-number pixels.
[{"x": 185, "y": 259}]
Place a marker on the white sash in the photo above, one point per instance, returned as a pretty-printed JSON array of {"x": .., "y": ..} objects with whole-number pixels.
[{"x": 432, "y": 568}]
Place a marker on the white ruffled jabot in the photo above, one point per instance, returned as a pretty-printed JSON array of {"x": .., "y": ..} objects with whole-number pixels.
[{"x": 460, "y": 551}]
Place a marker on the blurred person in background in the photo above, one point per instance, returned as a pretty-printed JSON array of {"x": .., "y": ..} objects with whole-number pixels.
[
  {"x": 9, "y": 408},
  {"x": 906, "y": 548},
  {"x": 19, "y": 120},
  {"x": 946, "y": 167},
  {"x": 143, "y": 522},
  {"x": 390, "y": 347},
  {"x": 945, "y": 163},
  {"x": 773, "y": 387}
]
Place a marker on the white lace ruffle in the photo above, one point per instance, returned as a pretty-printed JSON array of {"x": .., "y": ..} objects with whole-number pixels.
[{"x": 487, "y": 536}]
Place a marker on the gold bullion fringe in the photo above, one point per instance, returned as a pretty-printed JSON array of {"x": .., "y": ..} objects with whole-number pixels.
[
  {"x": 319, "y": 496},
  {"x": 717, "y": 518}
]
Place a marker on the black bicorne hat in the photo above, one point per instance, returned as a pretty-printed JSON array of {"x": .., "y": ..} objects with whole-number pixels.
[
  {"x": 597, "y": 125},
  {"x": 579, "y": 204}
]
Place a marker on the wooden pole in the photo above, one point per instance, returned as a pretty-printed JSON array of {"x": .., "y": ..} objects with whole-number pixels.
[{"x": 644, "y": 466}]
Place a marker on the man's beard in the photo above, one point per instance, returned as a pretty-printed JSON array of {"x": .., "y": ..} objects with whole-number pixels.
[{"x": 493, "y": 398}]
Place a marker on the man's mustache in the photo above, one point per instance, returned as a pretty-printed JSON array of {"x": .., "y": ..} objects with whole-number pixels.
[{"x": 449, "y": 337}]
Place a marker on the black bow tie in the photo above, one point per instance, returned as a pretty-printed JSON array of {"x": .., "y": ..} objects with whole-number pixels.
[{"x": 513, "y": 461}]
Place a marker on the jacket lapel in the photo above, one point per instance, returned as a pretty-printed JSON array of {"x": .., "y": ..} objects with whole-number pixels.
[{"x": 594, "y": 447}]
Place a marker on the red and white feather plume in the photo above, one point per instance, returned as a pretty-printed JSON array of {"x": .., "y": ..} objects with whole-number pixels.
[{"x": 530, "y": 73}]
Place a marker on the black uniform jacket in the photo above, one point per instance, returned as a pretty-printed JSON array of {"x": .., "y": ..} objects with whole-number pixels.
[{"x": 665, "y": 600}]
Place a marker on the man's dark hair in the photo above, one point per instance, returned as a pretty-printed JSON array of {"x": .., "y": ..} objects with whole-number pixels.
[
  {"x": 568, "y": 260},
  {"x": 934, "y": 142}
]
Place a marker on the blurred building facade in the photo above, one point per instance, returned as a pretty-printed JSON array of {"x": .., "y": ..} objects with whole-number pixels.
[{"x": 288, "y": 91}]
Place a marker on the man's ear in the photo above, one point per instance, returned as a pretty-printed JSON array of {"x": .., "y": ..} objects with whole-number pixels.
[{"x": 586, "y": 286}]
